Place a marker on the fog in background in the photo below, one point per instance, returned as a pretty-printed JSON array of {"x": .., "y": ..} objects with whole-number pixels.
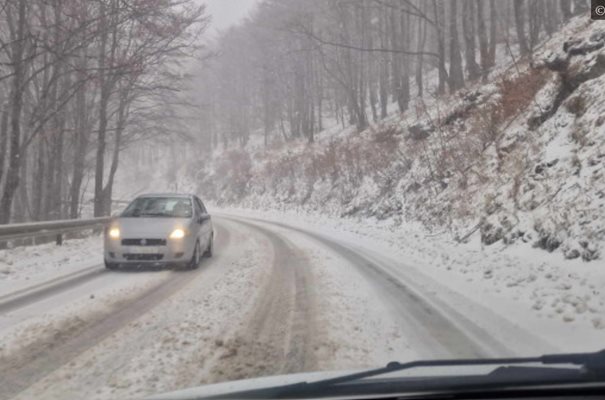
[{"x": 227, "y": 12}]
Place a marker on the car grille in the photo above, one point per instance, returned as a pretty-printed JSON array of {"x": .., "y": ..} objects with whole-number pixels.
[
  {"x": 143, "y": 257},
  {"x": 143, "y": 242}
]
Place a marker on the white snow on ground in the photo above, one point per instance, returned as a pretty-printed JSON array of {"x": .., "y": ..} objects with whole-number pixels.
[
  {"x": 22, "y": 267},
  {"x": 532, "y": 302},
  {"x": 40, "y": 323},
  {"x": 554, "y": 299},
  {"x": 355, "y": 328},
  {"x": 177, "y": 343},
  {"x": 195, "y": 336}
]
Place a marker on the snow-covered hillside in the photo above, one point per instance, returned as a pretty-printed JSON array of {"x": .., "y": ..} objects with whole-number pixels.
[{"x": 517, "y": 160}]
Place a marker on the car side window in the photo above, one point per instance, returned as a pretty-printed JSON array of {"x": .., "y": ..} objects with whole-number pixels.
[
  {"x": 201, "y": 205},
  {"x": 198, "y": 209}
]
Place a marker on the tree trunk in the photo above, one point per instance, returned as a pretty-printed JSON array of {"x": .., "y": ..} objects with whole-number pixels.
[
  {"x": 103, "y": 103},
  {"x": 3, "y": 142},
  {"x": 468, "y": 26},
  {"x": 21, "y": 211},
  {"x": 493, "y": 33},
  {"x": 483, "y": 42},
  {"x": 535, "y": 12},
  {"x": 439, "y": 12},
  {"x": 420, "y": 58},
  {"x": 58, "y": 122},
  {"x": 319, "y": 96},
  {"x": 395, "y": 59},
  {"x": 565, "y": 6},
  {"x": 384, "y": 69},
  {"x": 120, "y": 123},
  {"x": 82, "y": 137},
  {"x": 39, "y": 187},
  {"x": 48, "y": 174},
  {"x": 551, "y": 19},
  {"x": 14, "y": 160},
  {"x": 403, "y": 96},
  {"x": 520, "y": 27},
  {"x": 456, "y": 80}
]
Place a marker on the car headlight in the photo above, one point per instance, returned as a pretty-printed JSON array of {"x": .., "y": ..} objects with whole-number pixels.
[
  {"x": 114, "y": 233},
  {"x": 177, "y": 234}
]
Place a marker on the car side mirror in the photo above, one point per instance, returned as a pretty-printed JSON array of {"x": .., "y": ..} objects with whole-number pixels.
[{"x": 203, "y": 218}]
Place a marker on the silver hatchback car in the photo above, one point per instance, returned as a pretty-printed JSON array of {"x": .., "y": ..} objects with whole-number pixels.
[{"x": 160, "y": 229}]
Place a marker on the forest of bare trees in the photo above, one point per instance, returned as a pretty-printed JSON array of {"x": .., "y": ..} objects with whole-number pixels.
[
  {"x": 295, "y": 64},
  {"x": 80, "y": 80}
]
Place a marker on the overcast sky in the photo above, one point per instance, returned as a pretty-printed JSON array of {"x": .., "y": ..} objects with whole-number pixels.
[{"x": 227, "y": 12}]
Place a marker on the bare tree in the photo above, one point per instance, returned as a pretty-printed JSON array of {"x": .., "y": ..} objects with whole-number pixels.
[
  {"x": 294, "y": 64},
  {"x": 18, "y": 60},
  {"x": 518, "y": 6},
  {"x": 456, "y": 76},
  {"x": 468, "y": 26},
  {"x": 64, "y": 67},
  {"x": 565, "y": 6}
]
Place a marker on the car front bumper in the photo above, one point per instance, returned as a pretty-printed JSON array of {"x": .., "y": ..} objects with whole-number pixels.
[{"x": 172, "y": 252}]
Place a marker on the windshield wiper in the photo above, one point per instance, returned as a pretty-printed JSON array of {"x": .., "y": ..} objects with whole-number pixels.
[{"x": 592, "y": 369}]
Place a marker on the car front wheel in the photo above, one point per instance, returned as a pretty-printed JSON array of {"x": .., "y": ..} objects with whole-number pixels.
[
  {"x": 210, "y": 248},
  {"x": 195, "y": 258},
  {"x": 111, "y": 266}
]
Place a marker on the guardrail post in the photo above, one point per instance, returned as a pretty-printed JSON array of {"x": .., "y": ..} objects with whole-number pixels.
[{"x": 59, "y": 239}]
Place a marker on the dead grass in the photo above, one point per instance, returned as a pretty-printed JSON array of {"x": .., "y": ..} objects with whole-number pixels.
[
  {"x": 348, "y": 160},
  {"x": 576, "y": 105},
  {"x": 237, "y": 165},
  {"x": 518, "y": 93}
]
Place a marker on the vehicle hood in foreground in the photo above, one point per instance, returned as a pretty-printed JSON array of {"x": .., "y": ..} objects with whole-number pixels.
[
  {"x": 572, "y": 371},
  {"x": 220, "y": 389}
]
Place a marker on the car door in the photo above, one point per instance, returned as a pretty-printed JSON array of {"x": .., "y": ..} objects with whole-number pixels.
[
  {"x": 203, "y": 220},
  {"x": 197, "y": 221},
  {"x": 206, "y": 222}
]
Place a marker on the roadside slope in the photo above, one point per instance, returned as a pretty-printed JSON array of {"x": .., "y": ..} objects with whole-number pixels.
[{"x": 518, "y": 161}]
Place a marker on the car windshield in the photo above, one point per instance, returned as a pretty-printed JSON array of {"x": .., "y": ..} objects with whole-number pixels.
[
  {"x": 173, "y": 207},
  {"x": 199, "y": 192}
]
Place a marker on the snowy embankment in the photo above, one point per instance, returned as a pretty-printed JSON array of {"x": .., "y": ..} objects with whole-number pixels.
[
  {"x": 23, "y": 267},
  {"x": 518, "y": 160},
  {"x": 553, "y": 298}
]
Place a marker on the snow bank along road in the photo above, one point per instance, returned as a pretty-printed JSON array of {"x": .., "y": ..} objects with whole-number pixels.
[{"x": 274, "y": 299}]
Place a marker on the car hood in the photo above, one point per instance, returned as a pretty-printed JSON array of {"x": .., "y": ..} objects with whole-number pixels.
[
  {"x": 227, "y": 388},
  {"x": 247, "y": 384},
  {"x": 152, "y": 228}
]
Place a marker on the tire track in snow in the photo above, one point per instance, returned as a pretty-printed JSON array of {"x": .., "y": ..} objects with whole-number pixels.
[
  {"x": 36, "y": 293},
  {"x": 434, "y": 329},
  {"x": 39, "y": 359},
  {"x": 276, "y": 337}
]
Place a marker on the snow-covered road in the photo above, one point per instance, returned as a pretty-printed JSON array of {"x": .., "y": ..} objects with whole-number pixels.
[{"x": 275, "y": 298}]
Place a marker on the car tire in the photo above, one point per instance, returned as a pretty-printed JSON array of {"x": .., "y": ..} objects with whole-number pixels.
[
  {"x": 195, "y": 258},
  {"x": 111, "y": 266},
  {"x": 210, "y": 249}
]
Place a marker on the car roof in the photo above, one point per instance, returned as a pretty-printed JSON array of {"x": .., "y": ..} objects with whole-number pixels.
[{"x": 183, "y": 195}]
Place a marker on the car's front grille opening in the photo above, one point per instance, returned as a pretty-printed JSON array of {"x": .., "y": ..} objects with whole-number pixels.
[
  {"x": 143, "y": 242},
  {"x": 143, "y": 257}
]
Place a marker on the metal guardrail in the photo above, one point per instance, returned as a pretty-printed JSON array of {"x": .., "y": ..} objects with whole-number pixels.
[{"x": 33, "y": 230}]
